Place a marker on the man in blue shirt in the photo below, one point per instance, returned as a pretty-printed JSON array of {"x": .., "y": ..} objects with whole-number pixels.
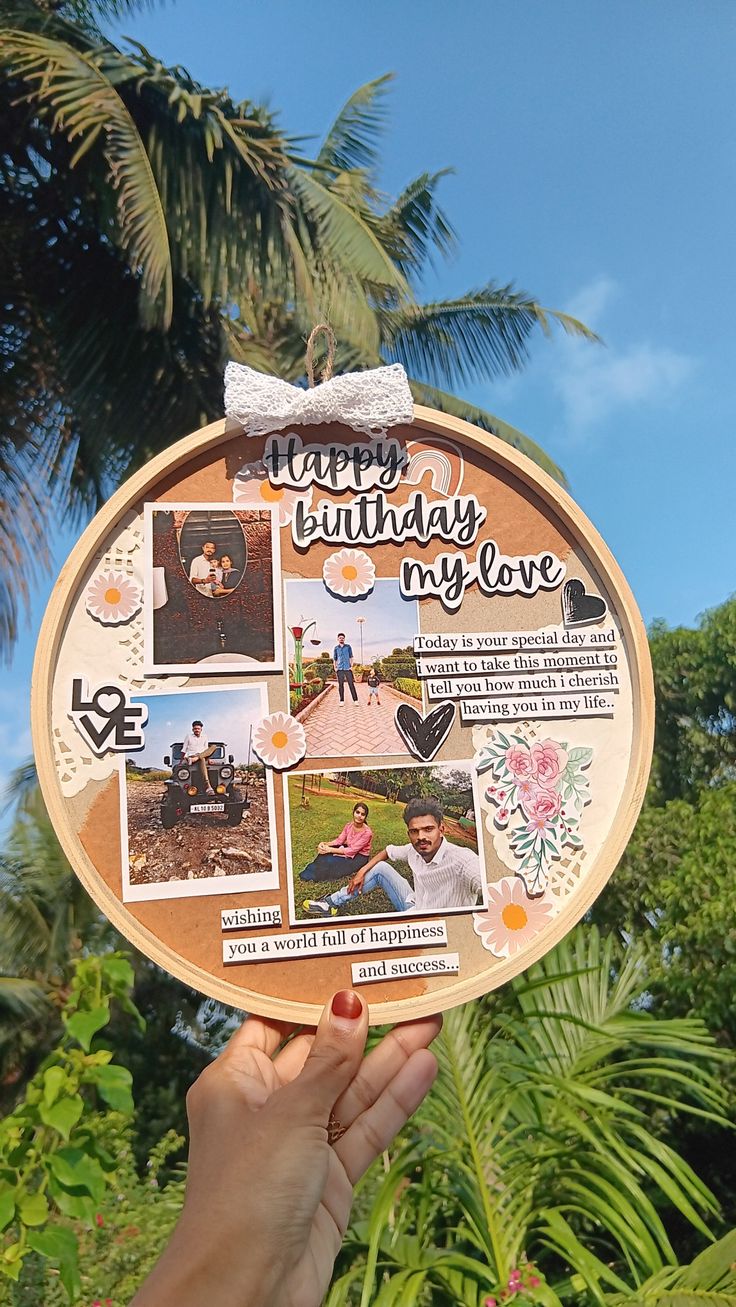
[{"x": 342, "y": 657}]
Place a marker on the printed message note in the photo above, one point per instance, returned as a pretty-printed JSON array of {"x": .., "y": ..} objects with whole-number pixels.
[
  {"x": 431, "y": 964},
  {"x": 349, "y": 939},
  {"x": 246, "y": 918},
  {"x": 509, "y": 675}
]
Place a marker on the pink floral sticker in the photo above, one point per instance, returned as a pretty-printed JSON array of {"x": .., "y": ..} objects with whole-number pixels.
[
  {"x": 538, "y": 791},
  {"x": 511, "y": 919}
]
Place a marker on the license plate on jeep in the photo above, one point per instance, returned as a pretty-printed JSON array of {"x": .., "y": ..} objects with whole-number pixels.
[{"x": 207, "y": 807}]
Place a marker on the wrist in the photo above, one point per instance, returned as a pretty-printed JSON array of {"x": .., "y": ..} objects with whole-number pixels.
[{"x": 184, "y": 1276}]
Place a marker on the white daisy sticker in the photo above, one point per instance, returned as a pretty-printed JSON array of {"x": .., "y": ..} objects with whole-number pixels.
[
  {"x": 280, "y": 741},
  {"x": 252, "y": 487},
  {"x": 112, "y": 598},
  {"x": 511, "y": 919},
  {"x": 349, "y": 573}
]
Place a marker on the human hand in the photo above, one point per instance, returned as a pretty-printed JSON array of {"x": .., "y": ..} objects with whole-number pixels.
[
  {"x": 355, "y": 884},
  {"x": 268, "y": 1197}
]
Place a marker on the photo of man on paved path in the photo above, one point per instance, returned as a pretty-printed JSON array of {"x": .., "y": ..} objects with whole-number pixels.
[{"x": 336, "y": 695}]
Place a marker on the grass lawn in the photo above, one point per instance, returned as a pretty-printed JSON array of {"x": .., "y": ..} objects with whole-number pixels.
[{"x": 324, "y": 819}]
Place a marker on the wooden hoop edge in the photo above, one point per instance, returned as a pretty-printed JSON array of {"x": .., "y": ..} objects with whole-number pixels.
[{"x": 562, "y": 505}]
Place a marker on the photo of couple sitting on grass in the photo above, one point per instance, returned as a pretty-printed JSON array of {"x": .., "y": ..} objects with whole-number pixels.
[{"x": 384, "y": 841}]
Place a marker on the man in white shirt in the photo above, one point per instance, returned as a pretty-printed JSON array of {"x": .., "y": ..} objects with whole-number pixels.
[
  {"x": 203, "y": 569},
  {"x": 196, "y": 749},
  {"x": 446, "y": 876}
]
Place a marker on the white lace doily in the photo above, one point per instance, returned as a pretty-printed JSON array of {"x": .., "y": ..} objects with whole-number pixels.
[
  {"x": 366, "y": 401},
  {"x": 95, "y": 651}
]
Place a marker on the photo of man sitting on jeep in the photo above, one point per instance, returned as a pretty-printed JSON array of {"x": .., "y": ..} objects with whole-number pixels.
[
  {"x": 198, "y": 810},
  {"x": 200, "y": 772}
]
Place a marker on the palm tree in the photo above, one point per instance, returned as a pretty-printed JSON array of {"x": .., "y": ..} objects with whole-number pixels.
[
  {"x": 541, "y": 1139},
  {"x": 480, "y": 335},
  {"x": 162, "y": 227}
]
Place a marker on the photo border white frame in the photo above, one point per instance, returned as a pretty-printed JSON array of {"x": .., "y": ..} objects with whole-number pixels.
[
  {"x": 182, "y": 889},
  {"x": 302, "y": 923},
  {"x": 150, "y": 667},
  {"x": 316, "y": 580}
]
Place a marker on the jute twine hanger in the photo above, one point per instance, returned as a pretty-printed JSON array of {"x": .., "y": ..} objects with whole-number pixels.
[{"x": 325, "y": 329}]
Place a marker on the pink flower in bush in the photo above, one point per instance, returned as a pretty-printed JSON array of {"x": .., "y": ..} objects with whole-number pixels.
[
  {"x": 519, "y": 760},
  {"x": 548, "y": 760},
  {"x": 489, "y": 1302},
  {"x": 541, "y": 808}
]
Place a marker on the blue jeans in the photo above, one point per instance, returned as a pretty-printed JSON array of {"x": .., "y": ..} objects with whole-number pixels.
[{"x": 385, "y": 877}]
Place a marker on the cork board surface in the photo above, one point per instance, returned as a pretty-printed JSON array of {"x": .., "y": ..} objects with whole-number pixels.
[{"x": 526, "y": 515}]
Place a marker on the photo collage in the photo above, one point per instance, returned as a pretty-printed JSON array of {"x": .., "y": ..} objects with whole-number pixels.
[{"x": 283, "y": 695}]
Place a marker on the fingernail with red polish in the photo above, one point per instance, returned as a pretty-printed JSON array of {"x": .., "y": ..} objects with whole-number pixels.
[{"x": 347, "y": 1004}]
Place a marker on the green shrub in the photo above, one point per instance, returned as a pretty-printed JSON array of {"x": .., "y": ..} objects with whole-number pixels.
[
  {"x": 59, "y": 1150},
  {"x": 407, "y": 685}
]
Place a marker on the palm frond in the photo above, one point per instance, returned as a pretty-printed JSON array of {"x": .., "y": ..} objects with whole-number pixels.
[
  {"x": 71, "y": 88},
  {"x": 484, "y": 333},
  {"x": 345, "y": 236},
  {"x": 708, "y": 1281},
  {"x": 415, "y": 227},
  {"x": 537, "y": 1136},
  {"x": 21, "y": 791},
  {"x": 21, "y": 998},
  {"x": 352, "y": 141}
]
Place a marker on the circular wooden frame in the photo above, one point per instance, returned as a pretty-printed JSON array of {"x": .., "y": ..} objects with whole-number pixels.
[{"x": 562, "y": 507}]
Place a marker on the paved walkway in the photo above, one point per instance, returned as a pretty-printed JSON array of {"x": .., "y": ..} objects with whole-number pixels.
[{"x": 353, "y": 730}]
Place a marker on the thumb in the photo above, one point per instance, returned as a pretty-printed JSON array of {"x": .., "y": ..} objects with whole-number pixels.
[{"x": 333, "y": 1060}]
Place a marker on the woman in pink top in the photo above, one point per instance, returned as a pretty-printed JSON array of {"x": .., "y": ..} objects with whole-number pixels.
[{"x": 345, "y": 855}]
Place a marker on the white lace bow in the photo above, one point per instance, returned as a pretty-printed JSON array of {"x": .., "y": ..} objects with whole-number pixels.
[{"x": 366, "y": 401}]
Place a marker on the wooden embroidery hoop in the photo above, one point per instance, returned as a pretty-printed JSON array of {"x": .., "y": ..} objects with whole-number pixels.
[{"x": 556, "y": 504}]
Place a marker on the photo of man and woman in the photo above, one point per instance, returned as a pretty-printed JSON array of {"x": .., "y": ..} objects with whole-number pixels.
[
  {"x": 381, "y": 841},
  {"x": 210, "y": 595}
]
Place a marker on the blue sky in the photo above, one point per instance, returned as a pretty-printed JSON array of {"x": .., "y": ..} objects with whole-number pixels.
[
  {"x": 227, "y": 715},
  {"x": 390, "y": 621},
  {"x": 592, "y": 145}
]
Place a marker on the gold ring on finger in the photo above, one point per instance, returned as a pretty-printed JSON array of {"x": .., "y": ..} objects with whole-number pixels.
[{"x": 335, "y": 1129}]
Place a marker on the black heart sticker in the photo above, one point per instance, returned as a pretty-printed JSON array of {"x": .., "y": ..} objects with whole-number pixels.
[
  {"x": 424, "y": 735},
  {"x": 579, "y": 608}
]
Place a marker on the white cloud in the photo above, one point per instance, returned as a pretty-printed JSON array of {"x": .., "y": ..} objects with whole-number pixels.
[
  {"x": 589, "y": 304},
  {"x": 594, "y": 388},
  {"x": 597, "y": 382}
]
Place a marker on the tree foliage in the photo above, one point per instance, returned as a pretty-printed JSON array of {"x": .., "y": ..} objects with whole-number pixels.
[
  {"x": 675, "y": 893},
  {"x": 695, "y": 686},
  {"x": 537, "y": 1142},
  {"x": 153, "y": 227},
  {"x": 53, "y": 1159}
]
